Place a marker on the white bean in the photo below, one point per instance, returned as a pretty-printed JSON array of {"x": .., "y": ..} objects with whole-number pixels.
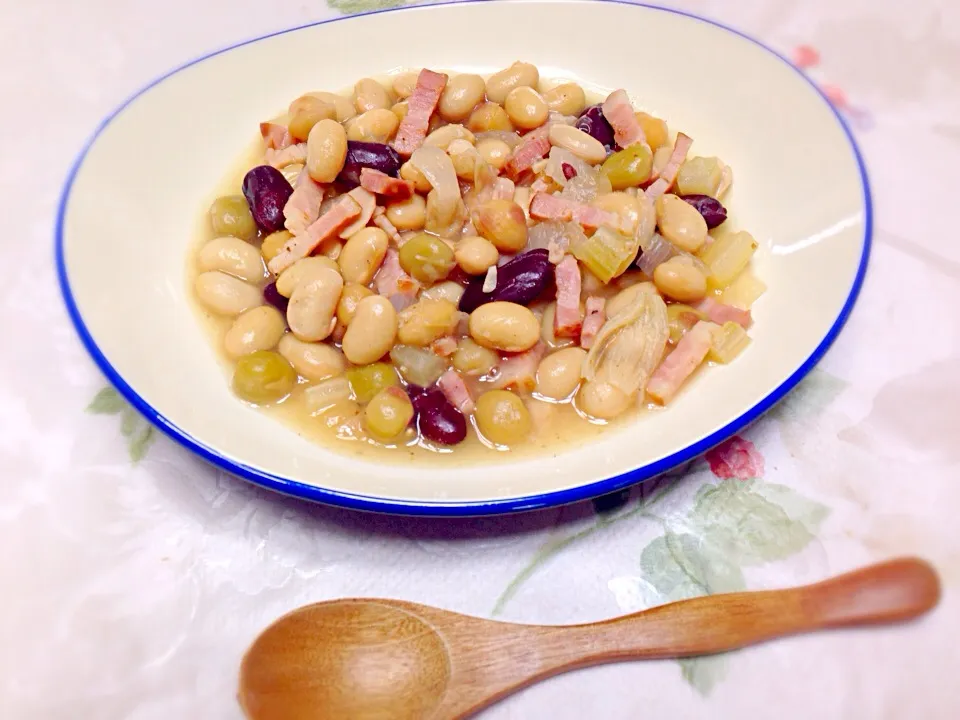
[
  {"x": 257, "y": 329},
  {"x": 362, "y": 255},
  {"x": 343, "y": 105},
  {"x": 368, "y": 95},
  {"x": 303, "y": 269},
  {"x": 559, "y": 373},
  {"x": 519, "y": 74},
  {"x": 461, "y": 95},
  {"x": 313, "y": 306},
  {"x": 377, "y": 125},
  {"x": 326, "y": 150},
  {"x": 372, "y": 331},
  {"x": 404, "y": 84},
  {"x": 504, "y": 326},
  {"x": 232, "y": 255},
  {"x": 225, "y": 294},
  {"x": 526, "y": 108},
  {"x": 447, "y": 134},
  {"x": 584, "y": 146},
  {"x": 566, "y": 99},
  {"x": 314, "y": 361}
]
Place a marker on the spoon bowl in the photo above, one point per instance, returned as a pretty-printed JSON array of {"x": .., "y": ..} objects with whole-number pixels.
[{"x": 394, "y": 660}]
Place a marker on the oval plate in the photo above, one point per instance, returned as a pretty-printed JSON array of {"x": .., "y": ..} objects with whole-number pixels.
[{"x": 121, "y": 245}]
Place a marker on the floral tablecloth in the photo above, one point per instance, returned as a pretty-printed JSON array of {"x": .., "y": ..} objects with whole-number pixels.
[{"x": 133, "y": 575}]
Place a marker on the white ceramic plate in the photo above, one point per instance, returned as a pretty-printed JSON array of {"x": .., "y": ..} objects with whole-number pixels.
[{"x": 800, "y": 188}]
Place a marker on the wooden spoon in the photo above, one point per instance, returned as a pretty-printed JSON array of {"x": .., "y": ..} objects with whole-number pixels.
[{"x": 390, "y": 660}]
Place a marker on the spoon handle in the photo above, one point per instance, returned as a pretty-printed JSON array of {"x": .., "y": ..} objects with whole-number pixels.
[{"x": 892, "y": 591}]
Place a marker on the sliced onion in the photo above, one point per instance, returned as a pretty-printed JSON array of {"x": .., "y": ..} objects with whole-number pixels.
[
  {"x": 657, "y": 252},
  {"x": 585, "y": 187},
  {"x": 558, "y": 158}
]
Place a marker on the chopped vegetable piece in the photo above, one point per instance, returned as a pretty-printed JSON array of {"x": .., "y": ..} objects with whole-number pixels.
[
  {"x": 607, "y": 254},
  {"x": 418, "y": 365},
  {"x": 629, "y": 346},
  {"x": 728, "y": 342},
  {"x": 726, "y": 257},
  {"x": 744, "y": 291},
  {"x": 700, "y": 176}
]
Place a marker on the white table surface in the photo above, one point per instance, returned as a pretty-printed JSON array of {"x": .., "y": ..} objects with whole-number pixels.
[{"x": 132, "y": 575}]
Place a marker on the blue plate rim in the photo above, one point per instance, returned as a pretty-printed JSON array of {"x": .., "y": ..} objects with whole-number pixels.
[{"x": 469, "y": 508}]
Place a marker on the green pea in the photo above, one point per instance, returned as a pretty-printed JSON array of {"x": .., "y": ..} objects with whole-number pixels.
[
  {"x": 427, "y": 258},
  {"x": 502, "y": 417},
  {"x": 367, "y": 380},
  {"x": 628, "y": 168},
  {"x": 388, "y": 414},
  {"x": 230, "y": 215},
  {"x": 263, "y": 377}
]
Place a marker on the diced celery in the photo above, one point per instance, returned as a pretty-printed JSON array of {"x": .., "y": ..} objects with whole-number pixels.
[
  {"x": 700, "y": 176},
  {"x": 728, "y": 342},
  {"x": 681, "y": 318},
  {"x": 368, "y": 380},
  {"x": 726, "y": 257},
  {"x": 607, "y": 254},
  {"x": 743, "y": 292}
]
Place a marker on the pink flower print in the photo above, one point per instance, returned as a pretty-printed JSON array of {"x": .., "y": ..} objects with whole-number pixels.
[{"x": 736, "y": 458}]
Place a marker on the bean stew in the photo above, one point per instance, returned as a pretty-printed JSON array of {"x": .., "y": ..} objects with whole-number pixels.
[{"x": 444, "y": 261}]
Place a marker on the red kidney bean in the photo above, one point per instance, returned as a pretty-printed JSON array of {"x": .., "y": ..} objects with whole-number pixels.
[
  {"x": 367, "y": 154},
  {"x": 267, "y": 191},
  {"x": 273, "y": 296},
  {"x": 594, "y": 124},
  {"x": 438, "y": 420},
  {"x": 712, "y": 210},
  {"x": 520, "y": 280}
]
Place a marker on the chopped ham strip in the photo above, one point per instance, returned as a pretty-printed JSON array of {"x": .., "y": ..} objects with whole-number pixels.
[
  {"x": 566, "y": 321},
  {"x": 382, "y": 184},
  {"x": 503, "y": 189},
  {"x": 455, "y": 390},
  {"x": 720, "y": 313},
  {"x": 680, "y": 364},
  {"x": 445, "y": 346},
  {"x": 544, "y": 206},
  {"x": 286, "y": 156},
  {"x": 394, "y": 284},
  {"x": 303, "y": 207},
  {"x": 420, "y": 107},
  {"x": 520, "y": 371},
  {"x": 276, "y": 136},
  {"x": 669, "y": 173},
  {"x": 535, "y": 145},
  {"x": 340, "y": 214},
  {"x": 381, "y": 221},
  {"x": 619, "y": 113},
  {"x": 593, "y": 321}
]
